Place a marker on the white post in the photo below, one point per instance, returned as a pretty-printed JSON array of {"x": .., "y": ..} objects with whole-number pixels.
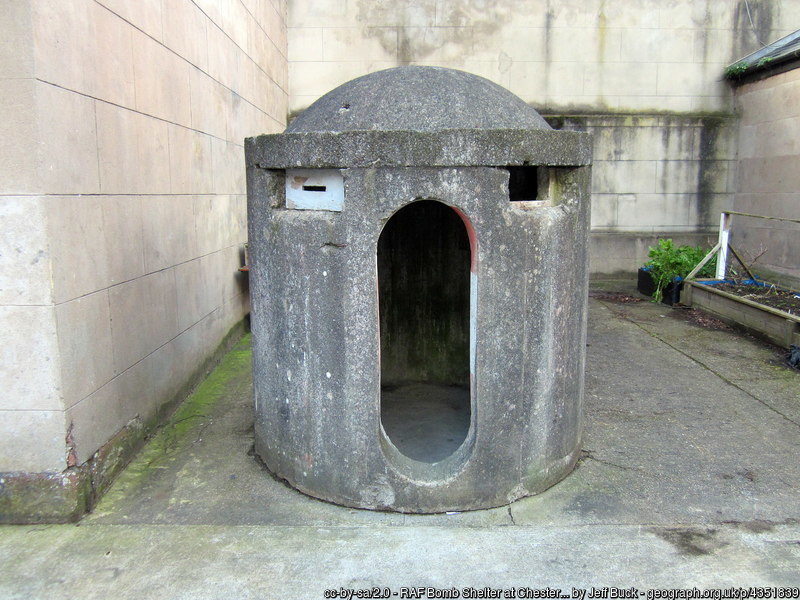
[{"x": 722, "y": 253}]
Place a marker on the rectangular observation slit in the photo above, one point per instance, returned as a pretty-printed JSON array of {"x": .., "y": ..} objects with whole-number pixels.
[
  {"x": 529, "y": 186},
  {"x": 523, "y": 184},
  {"x": 314, "y": 189}
]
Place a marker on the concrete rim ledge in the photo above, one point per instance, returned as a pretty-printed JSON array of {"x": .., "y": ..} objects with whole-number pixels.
[
  {"x": 32, "y": 498},
  {"x": 446, "y": 148}
]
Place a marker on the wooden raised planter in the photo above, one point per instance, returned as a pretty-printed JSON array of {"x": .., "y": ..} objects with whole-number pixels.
[{"x": 777, "y": 326}]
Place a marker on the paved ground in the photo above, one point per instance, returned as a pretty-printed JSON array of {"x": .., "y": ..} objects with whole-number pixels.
[
  {"x": 426, "y": 422},
  {"x": 690, "y": 478}
]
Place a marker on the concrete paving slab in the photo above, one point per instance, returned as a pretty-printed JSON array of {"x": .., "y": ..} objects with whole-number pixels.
[
  {"x": 205, "y": 561},
  {"x": 688, "y": 478}
]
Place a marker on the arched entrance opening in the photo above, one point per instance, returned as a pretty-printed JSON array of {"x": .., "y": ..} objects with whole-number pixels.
[{"x": 424, "y": 281}]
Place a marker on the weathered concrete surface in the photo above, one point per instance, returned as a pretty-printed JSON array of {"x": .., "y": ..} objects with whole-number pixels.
[
  {"x": 316, "y": 335},
  {"x": 689, "y": 480},
  {"x": 260, "y": 563},
  {"x": 567, "y": 54},
  {"x": 421, "y": 98},
  {"x": 453, "y": 147},
  {"x": 515, "y": 310}
]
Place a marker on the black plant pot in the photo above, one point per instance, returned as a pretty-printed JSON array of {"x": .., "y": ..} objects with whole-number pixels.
[{"x": 646, "y": 286}]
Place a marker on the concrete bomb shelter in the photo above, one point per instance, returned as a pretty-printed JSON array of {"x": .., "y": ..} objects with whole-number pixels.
[{"x": 418, "y": 247}]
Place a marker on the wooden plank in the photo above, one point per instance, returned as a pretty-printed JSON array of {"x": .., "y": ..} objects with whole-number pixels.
[{"x": 779, "y": 327}]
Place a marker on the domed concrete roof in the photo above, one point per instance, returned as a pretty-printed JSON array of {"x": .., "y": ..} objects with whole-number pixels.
[{"x": 417, "y": 99}]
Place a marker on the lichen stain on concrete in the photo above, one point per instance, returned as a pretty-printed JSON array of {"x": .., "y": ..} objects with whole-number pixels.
[
  {"x": 703, "y": 36},
  {"x": 708, "y": 171},
  {"x": 602, "y": 32},
  {"x": 548, "y": 47},
  {"x": 677, "y": 140},
  {"x": 72, "y": 455},
  {"x": 691, "y": 541},
  {"x": 182, "y": 430},
  {"x": 752, "y": 25},
  {"x": 414, "y": 31},
  {"x": 756, "y": 526}
]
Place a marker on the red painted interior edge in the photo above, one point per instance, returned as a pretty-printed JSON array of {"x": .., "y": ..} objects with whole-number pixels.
[{"x": 473, "y": 240}]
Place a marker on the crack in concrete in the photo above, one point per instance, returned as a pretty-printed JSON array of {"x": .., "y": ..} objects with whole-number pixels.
[
  {"x": 702, "y": 364},
  {"x": 589, "y": 455},
  {"x": 722, "y": 377}
]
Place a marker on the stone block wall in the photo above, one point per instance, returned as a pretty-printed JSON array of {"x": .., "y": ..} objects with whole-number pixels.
[
  {"x": 122, "y": 197},
  {"x": 768, "y": 178},
  {"x": 655, "y": 176},
  {"x": 644, "y": 77},
  {"x": 557, "y": 54}
]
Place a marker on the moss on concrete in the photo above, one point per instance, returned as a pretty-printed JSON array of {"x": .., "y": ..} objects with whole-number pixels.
[
  {"x": 183, "y": 428},
  {"x": 65, "y": 497},
  {"x": 44, "y": 497}
]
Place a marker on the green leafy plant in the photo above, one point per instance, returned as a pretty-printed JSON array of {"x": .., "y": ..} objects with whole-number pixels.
[
  {"x": 736, "y": 69},
  {"x": 765, "y": 61},
  {"x": 669, "y": 262}
]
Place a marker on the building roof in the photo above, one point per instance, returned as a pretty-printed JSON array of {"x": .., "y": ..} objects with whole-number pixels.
[
  {"x": 777, "y": 57},
  {"x": 416, "y": 98}
]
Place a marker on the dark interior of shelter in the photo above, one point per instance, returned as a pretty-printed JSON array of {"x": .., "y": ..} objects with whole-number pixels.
[
  {"x": 424, "y": 290},
  {"x": 523, "y": 183}
]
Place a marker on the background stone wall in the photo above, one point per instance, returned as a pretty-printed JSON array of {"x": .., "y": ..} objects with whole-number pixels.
[
  {"x": 122, "y": 198},
  {"x": 768, "y": 177},
  {"x": 645, "y": 77}
]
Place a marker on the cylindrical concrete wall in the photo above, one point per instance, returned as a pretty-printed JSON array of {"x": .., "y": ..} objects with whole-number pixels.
[
  {"x": 317, "y": 359},
  {"x": 316, "y": 311}
]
